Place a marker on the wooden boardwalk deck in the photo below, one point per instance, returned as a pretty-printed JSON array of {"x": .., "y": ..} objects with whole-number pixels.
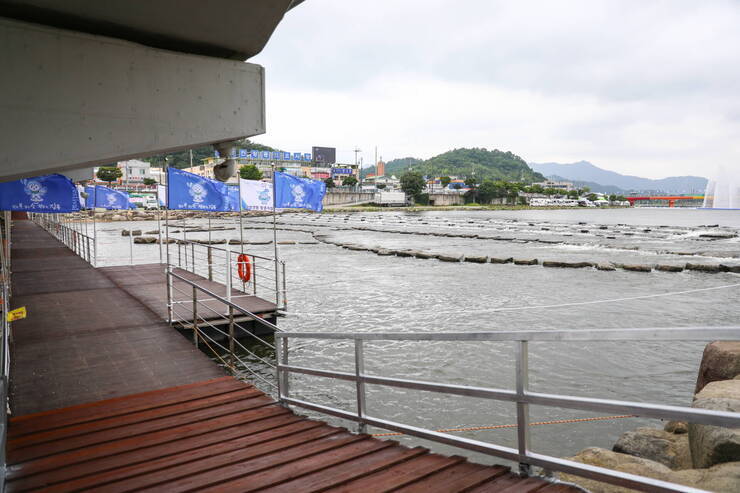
[
  {"x": 224, "y": 435},
  {"x": 85, "y": 339}
]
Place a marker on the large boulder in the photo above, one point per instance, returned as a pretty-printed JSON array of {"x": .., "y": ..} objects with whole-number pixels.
[
  {"x": 711, "y": 445},
  {"x": 721, "y": 478},
  {"x": 618, "y": 462},
  {"x": 669, "y": 449},
  {"x": 720, "y": 361}
]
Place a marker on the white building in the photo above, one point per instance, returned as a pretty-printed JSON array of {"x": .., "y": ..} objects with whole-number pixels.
[
  {"x": 564, "y": 186},
  {"x": 134, "y": 171}
]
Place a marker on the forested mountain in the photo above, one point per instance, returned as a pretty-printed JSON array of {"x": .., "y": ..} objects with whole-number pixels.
[
  {"x": 465, "y": 162},
  {"x": 585, "y": 171}
]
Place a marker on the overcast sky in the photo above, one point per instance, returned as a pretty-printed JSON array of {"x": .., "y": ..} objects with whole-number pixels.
[{"x": 650, "y": 88}]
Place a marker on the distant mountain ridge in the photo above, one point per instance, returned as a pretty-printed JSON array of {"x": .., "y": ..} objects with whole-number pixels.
[{"x": 583, "y": 171}]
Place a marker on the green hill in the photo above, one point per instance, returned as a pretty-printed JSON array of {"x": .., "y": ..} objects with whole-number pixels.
[
  {"x": 395, "y": 166},
  {"x": 478, "y": 162}
]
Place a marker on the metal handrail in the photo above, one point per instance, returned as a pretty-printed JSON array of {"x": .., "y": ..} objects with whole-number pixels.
[
  {"x": 226, "y": 302},
  {"x": 521, "y": 396},
  {"x": 85, "y": 246},
  {"x": 207, "y": 264}
]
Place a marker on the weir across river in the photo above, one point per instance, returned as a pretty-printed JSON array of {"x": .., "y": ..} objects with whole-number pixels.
[{"x": 106, "y": 395}]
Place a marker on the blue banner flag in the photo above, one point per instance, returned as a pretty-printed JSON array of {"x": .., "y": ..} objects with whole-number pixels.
[
  {"x": 189, "y": 191},
  {"x": 90, "y": 191},
  {"x": 48, "y": 193},
  {"x": 298, "y": 193},
  {"x": 107, "y": 198},
  {"x": 233, "y": 199}
]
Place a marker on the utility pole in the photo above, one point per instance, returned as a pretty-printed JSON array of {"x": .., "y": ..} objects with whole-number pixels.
[{"x": 359, "y": 171}]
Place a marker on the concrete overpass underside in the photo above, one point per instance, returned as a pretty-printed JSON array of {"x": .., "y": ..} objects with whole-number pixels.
[{"x": 87, "y": 82}]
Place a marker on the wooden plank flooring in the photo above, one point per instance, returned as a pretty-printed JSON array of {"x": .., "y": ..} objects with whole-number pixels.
[
  {"x": 224, "y": 435},
  {"x": 85, "y": 338}
]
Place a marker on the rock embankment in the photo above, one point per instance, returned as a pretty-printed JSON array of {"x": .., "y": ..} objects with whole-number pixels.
[
  {"x": 701, "y": 456},
  {"x": 483, "y": 259}
]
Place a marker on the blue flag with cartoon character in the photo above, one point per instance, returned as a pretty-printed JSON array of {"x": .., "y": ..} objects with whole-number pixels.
[
  {"x": 298, "y": 193},
  {"x": 107, "y": 198},
  {"x": 189, "y": 191},
  {"x": 49, "y": 193}
]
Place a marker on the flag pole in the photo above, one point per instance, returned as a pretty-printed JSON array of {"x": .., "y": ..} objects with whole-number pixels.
[
  {"x": 168, "y": 269},
  {"x": 241, "y": 223},
  {"x": 95, "y": 232},
  {"x": 159, "y": 220},
  {"x": 274, "y": 234}
]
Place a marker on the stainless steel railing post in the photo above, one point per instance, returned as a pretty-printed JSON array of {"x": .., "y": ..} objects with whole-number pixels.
[
  {"x": 228, "y": 275},
  {"x": 360, "y": 385},
  {"x": 231, "y": 336},
  {"x": 285, "y": 287},
  {"x": 254, "y": 275},
  {"x": 169, "y": 294},
  {"x": 282, "y": 375},
  {"x": 522, "y": 407},
  {"x": 195, "y": 316},
  {"x": 131, "y": 247}
]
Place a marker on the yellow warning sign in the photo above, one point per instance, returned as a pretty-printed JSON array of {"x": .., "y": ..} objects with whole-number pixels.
[{"x": 17, "y": 314}]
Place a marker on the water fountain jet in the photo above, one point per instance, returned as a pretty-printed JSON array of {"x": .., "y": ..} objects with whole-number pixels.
[{"x": 723, "y": 192}]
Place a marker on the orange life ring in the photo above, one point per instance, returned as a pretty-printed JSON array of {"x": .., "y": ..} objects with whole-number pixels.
[{"x": 244, "y": 265}]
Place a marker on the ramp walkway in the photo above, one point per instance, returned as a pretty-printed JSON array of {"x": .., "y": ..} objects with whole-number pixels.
[
  {"x": 224, "y": 435},
  {"x": 86, "y": 338}
]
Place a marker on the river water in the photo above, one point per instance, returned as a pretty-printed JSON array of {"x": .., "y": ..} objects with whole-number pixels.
[{"x": 335, "y": 289}]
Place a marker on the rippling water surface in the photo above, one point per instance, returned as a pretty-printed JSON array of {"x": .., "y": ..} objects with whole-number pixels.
[{"x": 334, "y": 289}]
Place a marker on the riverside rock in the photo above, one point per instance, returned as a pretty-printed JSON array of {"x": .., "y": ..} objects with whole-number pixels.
[
  {"x": 424, "y": 255},
  {"x": 720, "y": 361},
  {"x": 533, "y": 261},
  {"x": 450, "y": 258},
  {"x": 637, "y": 268},
  {"x": 711, "y": 445},
  {"x": 476, "y": 259},
  {"x": 677, "y": 427},
  {"x": 495, "y": 260},
  {"x": 669, "y": 268},
  {"x": 721, "y": 478},
  {"x": 145, "y": 239},
  {"x": 710, "y": 268},
  {"x": 571, "y": 265},
  {"x": 669, "y": 449},
  {"x": 607, "y": 266}
]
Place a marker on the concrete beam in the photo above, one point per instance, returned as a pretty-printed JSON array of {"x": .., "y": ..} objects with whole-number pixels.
[{"x": 71, "y": 100}]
